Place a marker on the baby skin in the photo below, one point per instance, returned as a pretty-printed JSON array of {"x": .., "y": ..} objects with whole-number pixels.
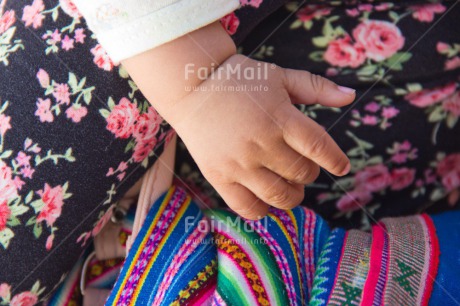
[{"x": 253, "y": 146}]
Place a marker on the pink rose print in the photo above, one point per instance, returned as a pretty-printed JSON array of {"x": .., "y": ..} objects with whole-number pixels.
[
  {"x": 230, "y": 23},
  {"x": 61, "y": 93},
  {"x": 43, "y": 110},
  {"x": 4, "y": 124},
  {"x": 451, "y": 104},
  {"x": 5, "y": 213},
  {"x": 101, "y": 59},
  {"x": 427, "y": 97},
  {"x": 342, "y": 53},
  {"x": 401, "y": 178},
  {"x": 354, "y": 200},
  {"x": 147, "y": 126},
  {"x": 53, "y": 199},
  {"x": 142, "y": 149},
  {"x": 7, "y": 20},
  {"x": 8, "y": 188},
  {"x": 310, "y": 12},
  {"x": 122, "y": 119},
  {"x": 32, "y": 14},
  {"x": 76, "y": 112},
  {"x": 373, "y": 178},
  {"x": 449, "y": 171},
  {"x": 380, "y": 39},
  {"x": 70, "y": 8},
  {"x": 426, "y": 12},
  {"x": 26, "y": 298}
]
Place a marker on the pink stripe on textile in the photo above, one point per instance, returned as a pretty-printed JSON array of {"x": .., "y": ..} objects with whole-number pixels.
[
  {"x": 375, "y": 265},
  {"x": 191, "y": 243},
  {"x": 434, "y": 260}
]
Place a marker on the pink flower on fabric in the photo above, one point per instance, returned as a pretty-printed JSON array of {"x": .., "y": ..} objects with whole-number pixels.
[
  {"x": 61, "y": 93},
  {"x": 122, "y": 166},
  {"x": 342, "y": 53},
  {"x": 230, "y": 23},
  {"x": 43, "y": 78},
  {"x": 401, "y": 178},
  {"x": 122, "y": 119},
  {"x": 370, "y": 120},
  {"x": 76, "y": 112},
  {"x": 452, "y": 104},
  {"x": 449, "y": 170},
  {"x": 426, "y": 12},
  {"x": 67, "y": 43},
  {"x": 26, "y": 298},
  {"x": 70, "y": 8},
  {"x": 101, "y": 59},
  {"x": 43, "y": 110},
  {"x": 373, "y": 178},
  {"x": 53, "y": 199},
  {"x": 427, "y": 97},
  {"x": 4, "y": 124},
  {"x": 372, "y": 107},
  {"x": 32, "y": 14},
  {"x": 380, "y": 39},
  {"x": 7, "y": 20},
  {"x": 142, "y": 149},
  {"x": 147, "y": 126},
  {"x": 5, "y": 213},
  {"x": 27, "y": 172},
  {"x": 80, "y": 36},
  {"x": 354, "y": 200},
  {"x": 253, "y": 3},
  {"x": 310, "y": 12},
  {"x": 389, "y": 112},
  {"x": 452, "y": 63},
  {"x": 23, "y": 159},
  {"x": 8, "y": 188},
  {"x": 5, "y": 290}
]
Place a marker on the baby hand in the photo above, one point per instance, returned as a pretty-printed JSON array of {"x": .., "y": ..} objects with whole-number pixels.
[{"x": 254, "y": 146}]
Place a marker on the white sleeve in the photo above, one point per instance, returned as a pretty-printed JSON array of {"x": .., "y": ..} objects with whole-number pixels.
[{"x": 129, "y": 27}]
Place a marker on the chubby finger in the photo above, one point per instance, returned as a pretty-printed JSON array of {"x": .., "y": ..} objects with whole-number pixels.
[
  {"x": 309, "y": 139},
  {"x": 242, "y": 201},
  {"x": 307, "y": 88},
  {"x": 290, "y": 165},
  {"x": 273, "y": 189}
]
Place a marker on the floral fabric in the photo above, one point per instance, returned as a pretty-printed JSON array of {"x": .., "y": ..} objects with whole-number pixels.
[{"x": 75, "y": 135}]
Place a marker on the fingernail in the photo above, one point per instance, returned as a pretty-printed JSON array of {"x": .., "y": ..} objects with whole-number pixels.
[
  {"x": 347, "y": 169},
  {"x": 346, "y": 90}
]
